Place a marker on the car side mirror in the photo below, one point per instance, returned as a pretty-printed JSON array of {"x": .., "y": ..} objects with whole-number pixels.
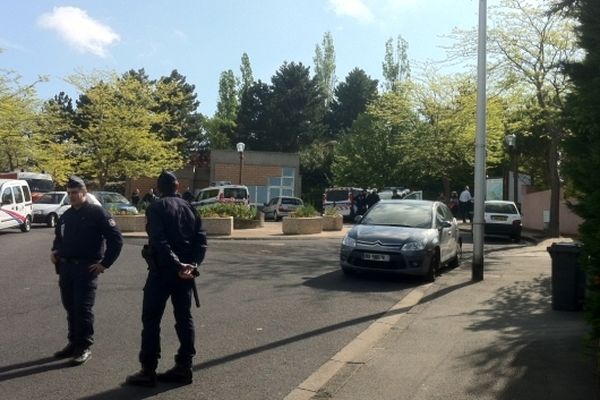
[
  {"x": 358, "y": 218},
  {"x": 446, "y": 224}
]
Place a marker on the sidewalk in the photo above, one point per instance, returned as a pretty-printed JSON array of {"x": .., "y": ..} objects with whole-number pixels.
[{"x": 495, "y": 339}]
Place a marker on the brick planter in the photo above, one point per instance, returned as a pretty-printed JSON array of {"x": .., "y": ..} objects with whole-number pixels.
[
  {"x": 333, "y": 223},
  {"x": 218, "y": 225},
  {"x": 301, "y": 226},
  {"x": 131, "y": 223}
]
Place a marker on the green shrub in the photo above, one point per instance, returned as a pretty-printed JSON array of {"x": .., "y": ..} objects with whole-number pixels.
[
  {"x": 237, "y": 211},
  {"x": 306, "y": 210},
  {"x": 331, "y": 211}
]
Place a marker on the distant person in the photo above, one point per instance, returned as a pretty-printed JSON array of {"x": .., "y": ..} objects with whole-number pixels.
[
  {"x": 149, "y": 197},
  {"x": 441, "y": 197},
  {"x": 361, "y": 203},
  {"x": 396, "y": 195},
  {"x": 135, "y": 197},
  {"x": 372, "y": 198},
  {"x": 464, "y": 204},
  {"x": 187, "y": 195},
  {"x": 453, "y": 203}
]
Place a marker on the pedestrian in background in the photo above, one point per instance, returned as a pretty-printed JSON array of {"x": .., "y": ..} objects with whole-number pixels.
[
  {"x": 178, "y": 245},
  {"x": 464, "y": 204},
  {"x": 77, "y": 253},
  {"x": 372, "y": 198},
  {"x": 453, "y": 203},
  {"x": 135, "y": 197},
  {"x": 149, "y": 197}
]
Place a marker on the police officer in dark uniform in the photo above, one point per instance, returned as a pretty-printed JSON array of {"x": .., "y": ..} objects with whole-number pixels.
[
  {"x": 79, "y": 256},
  {"x": 178, "y": 246}
]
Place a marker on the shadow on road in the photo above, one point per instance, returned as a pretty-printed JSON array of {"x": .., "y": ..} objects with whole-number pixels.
[
  {"x": 363, "y": 283},
  {"x": 33, "y": 367}
]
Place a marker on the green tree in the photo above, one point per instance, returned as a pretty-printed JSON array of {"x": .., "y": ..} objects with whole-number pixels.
[
  {"x": 396, "y": 68},
  {"x": 253, "y": 117},
  {"x": 114, "y": 134},
  {"x": 247, "y": 79},
  {"x": 583, "y": 149},
  {"x": 18, "y": 113},
  {"x": 324, "y": 60},
  {"x": 351, "y": 99},
  {"x": 296, "y": 109}
]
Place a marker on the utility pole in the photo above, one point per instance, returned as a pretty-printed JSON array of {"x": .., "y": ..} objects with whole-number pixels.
[{"x": 480, "y": 182}]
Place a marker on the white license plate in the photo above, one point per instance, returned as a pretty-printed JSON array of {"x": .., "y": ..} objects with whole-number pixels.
[
  {"x": 499, "y": 218},
  {"x": 376, "y": 257}
]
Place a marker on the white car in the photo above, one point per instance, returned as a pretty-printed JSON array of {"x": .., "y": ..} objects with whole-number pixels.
[
  {"x": 48, "y": 208},
  {"x": 502, "y": 218}
]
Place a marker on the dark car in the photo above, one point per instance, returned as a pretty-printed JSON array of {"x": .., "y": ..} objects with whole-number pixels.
[
  {"x": 115, "y": 202},
  {"x": 412, "y": 237}
]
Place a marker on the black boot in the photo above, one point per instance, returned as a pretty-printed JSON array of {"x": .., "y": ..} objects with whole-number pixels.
[
  {"x": 146, "y": 377},
  {"x": 177, "y": 374}
]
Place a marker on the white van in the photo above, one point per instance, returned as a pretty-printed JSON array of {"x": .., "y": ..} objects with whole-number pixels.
[
  {"x": 223, "y": 194},
  {"x": 16, "y": 209}
]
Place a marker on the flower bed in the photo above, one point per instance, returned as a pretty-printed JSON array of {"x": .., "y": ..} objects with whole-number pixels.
[
  {"x": 333, "y": 222},
  {"x": 217, "y": 225},
  {"x": 301, "y": 226}
]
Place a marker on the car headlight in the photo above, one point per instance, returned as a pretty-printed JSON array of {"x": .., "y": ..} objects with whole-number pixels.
[
  {"x": 349, "y": 241},
  {"x": 414, "y": 246}
]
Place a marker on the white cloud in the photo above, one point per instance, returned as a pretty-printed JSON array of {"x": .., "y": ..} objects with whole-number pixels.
[
  {"x": 352, "y": 8},
  {"x": 79, "y": 30}
]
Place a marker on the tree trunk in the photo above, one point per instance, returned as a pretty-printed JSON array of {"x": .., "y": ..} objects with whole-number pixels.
[{"x": 554, "y": 180}]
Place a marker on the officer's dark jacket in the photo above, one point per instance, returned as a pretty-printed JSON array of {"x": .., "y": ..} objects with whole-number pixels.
[
  {"x": 175, "y": 232},
  {"x": 80, "y": 234}
]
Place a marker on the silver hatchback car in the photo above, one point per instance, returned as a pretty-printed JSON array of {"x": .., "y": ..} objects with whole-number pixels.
[{"x": 281, "y": 206}]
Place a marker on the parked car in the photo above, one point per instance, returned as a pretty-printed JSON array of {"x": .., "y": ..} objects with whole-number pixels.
[
  {"x": 502, "y": 218},
  {"x": 281, "y": 206},
  {"x": 222, "y": 194},
  {"x": 49, "y": 207},
  {"x": 16, "y": 209},
  {"x": 412, "y": 237},
  {"x": 114, "y": 202}
]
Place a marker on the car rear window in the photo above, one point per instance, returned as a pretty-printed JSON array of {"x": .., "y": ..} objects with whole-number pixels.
[
  {"x": 501, "y": 208},
  {"x": 336, "y": 195},
  {"x": 236, "y": 193},
  {"x": 291, "y": 201}
]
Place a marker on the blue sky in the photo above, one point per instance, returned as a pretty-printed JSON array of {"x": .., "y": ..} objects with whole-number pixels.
[{"x": 203, "y": 38}]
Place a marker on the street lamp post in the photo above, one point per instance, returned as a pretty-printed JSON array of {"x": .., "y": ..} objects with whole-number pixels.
[
  {"x": 511, "y": 142},
  {"x": 240, "y": 149}
]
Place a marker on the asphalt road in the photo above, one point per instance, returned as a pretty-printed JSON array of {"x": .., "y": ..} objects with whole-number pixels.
[{"x": 272, "y": 313}]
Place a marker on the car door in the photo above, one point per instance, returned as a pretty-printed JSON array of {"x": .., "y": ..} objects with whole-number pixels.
[
  {"x": 448, "y": 232},
  {"x": 7, "y": 206}
]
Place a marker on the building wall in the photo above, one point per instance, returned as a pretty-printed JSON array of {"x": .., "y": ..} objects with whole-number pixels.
[{"x": 535, "y": 208}]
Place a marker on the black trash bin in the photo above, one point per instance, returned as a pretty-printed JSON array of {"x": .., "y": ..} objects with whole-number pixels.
[{"x": 568, "y": 278}]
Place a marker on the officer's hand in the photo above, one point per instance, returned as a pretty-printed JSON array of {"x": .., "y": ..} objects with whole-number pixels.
[
  {"x": 97, "y": 268},
  {"x": 186, "y": 271},
  {"x": 54, "y": 258}
]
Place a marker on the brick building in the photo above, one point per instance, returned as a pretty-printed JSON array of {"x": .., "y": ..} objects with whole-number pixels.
[{"x": 267, "y": 174}]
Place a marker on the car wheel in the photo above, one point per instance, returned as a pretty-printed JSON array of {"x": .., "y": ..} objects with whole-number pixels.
[
  {"x": 455, "y": 262},
  {"x": 434, "y": 266},
  {"x": 52, "y": 220},
  {"x": 26, "y": 226}
]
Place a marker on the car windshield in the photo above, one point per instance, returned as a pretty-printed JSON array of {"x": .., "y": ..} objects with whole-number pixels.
[
  {"x": 50, "y": 198},
  {"x": 413, "y": 215},
  {"x": 500, "y": 208},
  {"x": 112, "y": 198},
  {"x": 40, "y": 185}
]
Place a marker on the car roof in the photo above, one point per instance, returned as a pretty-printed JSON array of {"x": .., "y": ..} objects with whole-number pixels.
[
  {"x": 500, "y": 202},
  {"x": 225, "y": 186}
]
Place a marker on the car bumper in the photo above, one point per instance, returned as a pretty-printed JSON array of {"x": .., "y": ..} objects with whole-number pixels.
[
  {"x": 39, "y": 218},
  {"x": 409, "y": 263}
]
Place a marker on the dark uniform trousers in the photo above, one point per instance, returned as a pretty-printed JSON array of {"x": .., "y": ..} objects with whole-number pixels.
[
  {"x": 78, "y": 293},
  {"x": 160, "y": 285}
]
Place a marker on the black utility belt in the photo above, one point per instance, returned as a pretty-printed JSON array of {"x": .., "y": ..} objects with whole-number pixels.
[{"x": 70, "y": 260}]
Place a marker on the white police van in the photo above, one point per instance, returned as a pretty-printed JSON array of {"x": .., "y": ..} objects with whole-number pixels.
[{"x": 16, "y": 209}]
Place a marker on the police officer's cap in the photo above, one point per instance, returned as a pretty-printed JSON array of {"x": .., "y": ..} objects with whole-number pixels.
[
  {"x": 166, "y": 182},
  {"x": 75, "y": 182}
]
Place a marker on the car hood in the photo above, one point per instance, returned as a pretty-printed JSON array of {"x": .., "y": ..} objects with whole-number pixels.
[
  {"x": 388, "y": 235},
  {"x": 46, "y": 208}
]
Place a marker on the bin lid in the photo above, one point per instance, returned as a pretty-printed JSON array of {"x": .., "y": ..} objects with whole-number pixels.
[{"x": 564, "y": 247}]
